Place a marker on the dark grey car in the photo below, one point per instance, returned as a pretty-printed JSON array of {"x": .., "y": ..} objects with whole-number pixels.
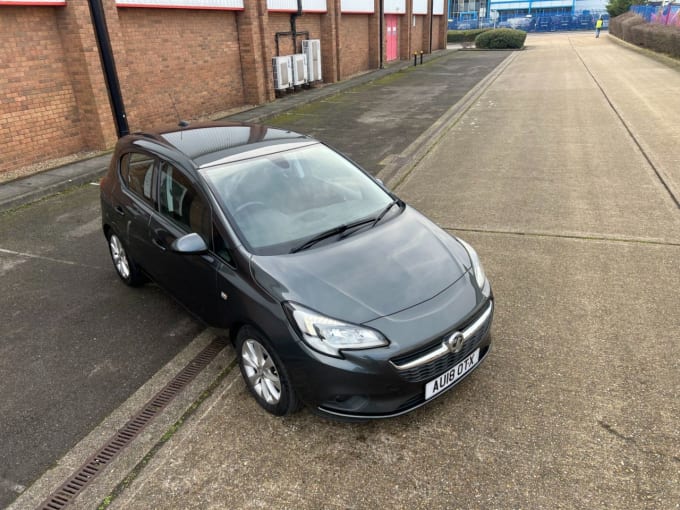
[{"x": 336, "y": 293}]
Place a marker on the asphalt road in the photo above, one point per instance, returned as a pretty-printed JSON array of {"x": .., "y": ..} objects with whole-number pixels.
[
  {"x": 75, "y": 343},
  {"x": 378, "y": 120}
]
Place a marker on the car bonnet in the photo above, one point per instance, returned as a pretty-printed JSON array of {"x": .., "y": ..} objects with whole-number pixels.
[{"x": 381, "y": 271}]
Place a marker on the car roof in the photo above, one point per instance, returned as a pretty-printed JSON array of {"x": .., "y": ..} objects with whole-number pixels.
[{"x": 207, "y": 144}]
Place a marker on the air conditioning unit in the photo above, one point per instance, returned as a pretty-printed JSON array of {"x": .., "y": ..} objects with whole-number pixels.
[
  {"x": 299, "y": 64},
  {"x": 312, "y": 48},
  {"x": 283, "y": 73}
]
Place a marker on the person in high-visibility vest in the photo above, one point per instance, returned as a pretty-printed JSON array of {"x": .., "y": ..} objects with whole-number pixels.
[{"x": 598, "y": 26}]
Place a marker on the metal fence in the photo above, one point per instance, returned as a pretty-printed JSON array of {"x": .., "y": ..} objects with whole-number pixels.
[
  {"x": 552, "y": 21},
  {"x": 662, "y": 15}
]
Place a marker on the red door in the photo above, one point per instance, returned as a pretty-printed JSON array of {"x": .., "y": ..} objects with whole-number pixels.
[{"x": 392, "y": 37}]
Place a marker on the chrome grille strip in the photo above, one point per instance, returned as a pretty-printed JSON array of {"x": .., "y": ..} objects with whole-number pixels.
[{"x": 442, "y": 350}]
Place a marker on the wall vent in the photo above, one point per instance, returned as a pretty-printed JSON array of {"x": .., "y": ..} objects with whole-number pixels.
[
  {"x": 283, "y": 73},
  {"x": 299, "y": 63}
]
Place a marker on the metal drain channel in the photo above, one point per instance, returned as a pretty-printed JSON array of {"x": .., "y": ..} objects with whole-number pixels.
[{"x": 95, "y": 464}]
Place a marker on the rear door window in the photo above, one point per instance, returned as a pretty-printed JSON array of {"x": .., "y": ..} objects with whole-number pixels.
[{"x": 137, "y": 171}]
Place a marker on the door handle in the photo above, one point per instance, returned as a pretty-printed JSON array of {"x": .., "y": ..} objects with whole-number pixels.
[
  {"x": 119, "y": 209},
  {"x": 158, "y": 244}
]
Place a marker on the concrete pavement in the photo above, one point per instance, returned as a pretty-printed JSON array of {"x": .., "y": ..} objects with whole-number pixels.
[{"x": 558, "y": 179}]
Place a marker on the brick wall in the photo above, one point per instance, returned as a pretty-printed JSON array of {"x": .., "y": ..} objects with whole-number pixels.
[
  {"x": 439, "y": 33},
  {"x": 280, "y": 22},
  {"x": 404, "y": 26},
  {"x": 86, "y": 76},
  {"x": 190, "y": 57},
  {"x": 354, "y": 44},
  {"x": 420, "y": 34},
  {"x": 38, "y": 112},
  {"x": 257, "y": 87}
]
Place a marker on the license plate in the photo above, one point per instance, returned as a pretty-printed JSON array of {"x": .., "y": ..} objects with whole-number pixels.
[{"x": 451, "y": 376}]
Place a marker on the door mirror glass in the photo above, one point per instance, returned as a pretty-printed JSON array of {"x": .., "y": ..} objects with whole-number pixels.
[{"x": 190, "y": 244}]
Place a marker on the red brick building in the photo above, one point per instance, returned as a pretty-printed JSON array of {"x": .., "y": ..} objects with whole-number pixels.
[{"x": 205, "y": 56}]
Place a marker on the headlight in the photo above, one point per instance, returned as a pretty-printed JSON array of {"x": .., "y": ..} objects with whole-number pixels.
[
  {"x": 330, "y": 336},
  {"x": 480, "y": 277}
]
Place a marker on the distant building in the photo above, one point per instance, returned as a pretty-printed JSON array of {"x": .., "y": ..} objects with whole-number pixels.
[{"x": 524, "y": 14}]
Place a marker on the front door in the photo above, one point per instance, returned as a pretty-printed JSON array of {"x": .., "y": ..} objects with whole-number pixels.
[
  {"x": 190, "y": 278},
  {"x": 392, "y": 36}
]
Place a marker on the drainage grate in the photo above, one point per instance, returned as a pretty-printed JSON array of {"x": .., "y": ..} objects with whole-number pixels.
[{"x": 86, "y": 473}]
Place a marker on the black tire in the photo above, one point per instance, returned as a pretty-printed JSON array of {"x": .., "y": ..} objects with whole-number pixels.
[
  {"x": 264, "y": 373},
  {"x": 125, "y": 267}
]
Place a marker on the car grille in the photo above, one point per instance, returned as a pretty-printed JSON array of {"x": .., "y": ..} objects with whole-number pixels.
[{"x": 440, "y": 365}]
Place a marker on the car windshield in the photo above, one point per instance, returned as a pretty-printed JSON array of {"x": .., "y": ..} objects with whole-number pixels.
[{"x": 278, "y": 201}]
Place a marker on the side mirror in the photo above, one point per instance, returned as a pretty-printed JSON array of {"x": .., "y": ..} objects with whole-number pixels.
[
  {"x": 380, "y": 183},
  {"x": 190, "y": 244}
]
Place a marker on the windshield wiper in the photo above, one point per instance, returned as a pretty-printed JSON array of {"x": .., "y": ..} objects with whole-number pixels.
[
  {"x": 347, "y": 226},
  {"x": 375, "y": 220},
  {"x": 385, "y": 210},
  {"x": 330, "y": 233}
]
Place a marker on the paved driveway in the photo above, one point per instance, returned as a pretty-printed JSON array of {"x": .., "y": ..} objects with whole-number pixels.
[
  {"x": 74, "y": 342},
  {"x": 376, "y": 121}
]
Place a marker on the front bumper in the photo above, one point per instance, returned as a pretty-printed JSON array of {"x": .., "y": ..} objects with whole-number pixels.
[{"x": 365, "y": 386}]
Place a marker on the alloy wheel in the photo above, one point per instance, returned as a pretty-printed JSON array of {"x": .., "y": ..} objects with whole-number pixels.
[
  {"x": 261, "y": 372},
  {"x": 120, "y": 260}
]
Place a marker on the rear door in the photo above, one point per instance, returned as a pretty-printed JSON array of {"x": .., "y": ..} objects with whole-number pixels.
[{"x": 135, "y": 204}]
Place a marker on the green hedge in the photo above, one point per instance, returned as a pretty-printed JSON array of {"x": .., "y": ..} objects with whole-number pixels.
[
  {"x": 501, "y": 38},
  {"x": 633, "y": 29},
  {"x": 622, "y": 25},
  {"x": 458, "y": 36}
]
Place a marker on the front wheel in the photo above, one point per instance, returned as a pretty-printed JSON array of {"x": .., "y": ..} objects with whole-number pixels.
[
  {"x": 264, "y": 373},
  {"x": 125, "y": 266}
]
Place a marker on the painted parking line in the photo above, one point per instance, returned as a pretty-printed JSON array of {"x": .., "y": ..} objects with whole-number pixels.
[
  {"x": 12, "y": 486},
  {"x": 49, "y": 259}
]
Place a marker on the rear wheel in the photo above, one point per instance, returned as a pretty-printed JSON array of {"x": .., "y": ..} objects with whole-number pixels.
[
  {"x": 264, "y": 373},
  {"x": 125, "y": 266}
]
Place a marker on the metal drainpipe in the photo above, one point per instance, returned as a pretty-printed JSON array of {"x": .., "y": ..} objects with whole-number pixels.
[
  {"x": 293, "y": 29},
  {"x": 382, "y": 22},
  {"x": 109, "y": 66},
  {"x": 431, "y": 22}
]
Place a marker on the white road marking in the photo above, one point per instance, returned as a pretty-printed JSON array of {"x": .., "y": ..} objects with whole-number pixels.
[
  {"x": 50, "y": 259},
  {"x": 14, "y": 487},
  {"x": 7, "y": 265},
  {"x": 86, "y": 229}
]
